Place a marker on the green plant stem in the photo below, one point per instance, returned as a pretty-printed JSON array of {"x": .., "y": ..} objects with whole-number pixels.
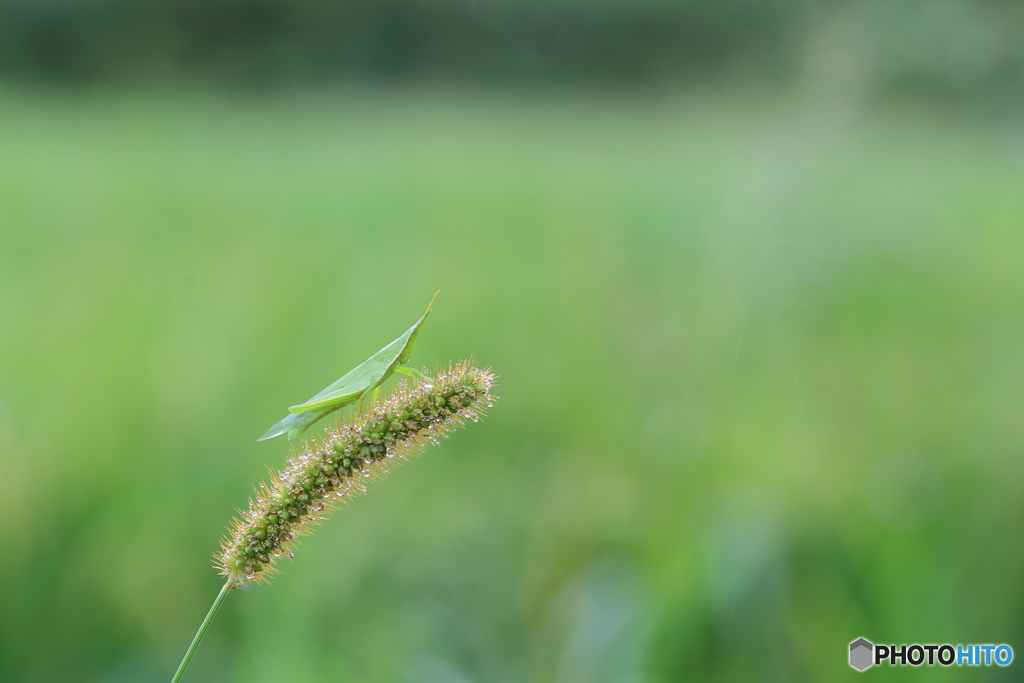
[{"x": 202, "y": 630}]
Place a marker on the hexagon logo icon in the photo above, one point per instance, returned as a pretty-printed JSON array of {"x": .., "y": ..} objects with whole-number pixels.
[{"x": 861, "y": 651}]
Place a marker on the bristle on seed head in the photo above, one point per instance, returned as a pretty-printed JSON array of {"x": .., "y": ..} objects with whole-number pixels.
[{"x": 330, "y": 469}]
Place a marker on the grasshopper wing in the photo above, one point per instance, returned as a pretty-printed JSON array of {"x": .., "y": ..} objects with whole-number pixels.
[
  {"x": 293, "y": 424},
  {"x": 348, "y": 389},
  {"x": 370, "y": 374}
]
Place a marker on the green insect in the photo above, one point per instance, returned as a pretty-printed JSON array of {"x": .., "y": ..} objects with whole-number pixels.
[{"x": 354, "y": 386}]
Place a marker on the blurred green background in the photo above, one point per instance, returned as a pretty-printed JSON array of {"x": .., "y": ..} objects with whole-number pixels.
[{"x": 752, "y": 276}]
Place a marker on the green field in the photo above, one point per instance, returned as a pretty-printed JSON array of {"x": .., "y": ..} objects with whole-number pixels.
[{"x": 762, "y": 380}]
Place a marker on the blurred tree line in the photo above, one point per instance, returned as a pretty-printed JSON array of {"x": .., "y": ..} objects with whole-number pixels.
[{"x": 939, "y": 44}]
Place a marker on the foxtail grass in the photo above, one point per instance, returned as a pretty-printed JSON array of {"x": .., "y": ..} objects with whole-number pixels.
[{"x": 327, "y": 470}]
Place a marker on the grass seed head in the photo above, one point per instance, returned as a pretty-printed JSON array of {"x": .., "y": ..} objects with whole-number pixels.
[{"x": 331, "y": 469}]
